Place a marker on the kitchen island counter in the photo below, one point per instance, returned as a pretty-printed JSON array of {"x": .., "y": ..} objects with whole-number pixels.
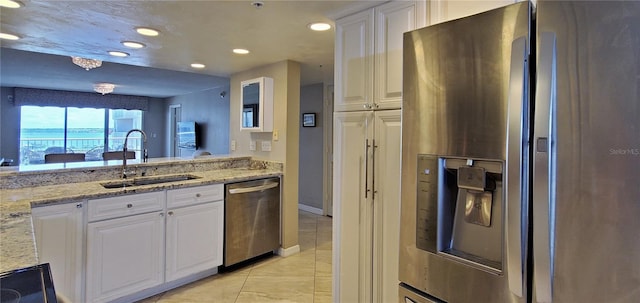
[{"x": 16, "y": 230}]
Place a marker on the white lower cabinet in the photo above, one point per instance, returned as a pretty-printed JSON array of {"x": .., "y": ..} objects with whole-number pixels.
[
  {"x": 124, "y": 256},
  {"x": 59, "y": 232},
  {"x": 136, "y": 245},
  {"x": 194, "y": 233},
  {"x": 150, "y": 242},
  {"x": 366, "y": 205}
]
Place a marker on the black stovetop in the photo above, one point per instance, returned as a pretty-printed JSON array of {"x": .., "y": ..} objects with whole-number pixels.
[{"x": 27, "y": 285}]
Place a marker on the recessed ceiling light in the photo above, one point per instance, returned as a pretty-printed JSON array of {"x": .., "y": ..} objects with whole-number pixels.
[
  {"x": 197, "y": 65},
  {"x": 118, "y": 54},
  {"x": 10, "y": 3},
  {"x": 133, "y": 44},
  {"x": 240, "y": 51},
  {"x": 8, "y": 36},
  {"x": 147, "y": 31},
  {"x": 319, "y": 26}
]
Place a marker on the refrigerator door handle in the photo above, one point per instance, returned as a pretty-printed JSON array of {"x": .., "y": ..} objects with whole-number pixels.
[
  {"x": 544, "y": 168},
  {"x": 517, "y": 137}
]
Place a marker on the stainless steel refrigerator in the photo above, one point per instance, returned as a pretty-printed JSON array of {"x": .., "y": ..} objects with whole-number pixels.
[{"x": 521, "y": 156}]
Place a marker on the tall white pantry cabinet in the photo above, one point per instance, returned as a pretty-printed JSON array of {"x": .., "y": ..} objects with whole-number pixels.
[{"x": 367, "y": 149}]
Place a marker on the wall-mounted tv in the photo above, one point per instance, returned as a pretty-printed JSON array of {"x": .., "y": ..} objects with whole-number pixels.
[{"x": 188, "y": 135}]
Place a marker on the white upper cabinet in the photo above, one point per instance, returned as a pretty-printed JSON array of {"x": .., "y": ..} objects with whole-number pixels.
[
  {"x": 442, "y": 11},
  {"x": 369, "y": 55},
  {"x": 392, "y": 21},
  {"x": 354, "y": 62},
  {"x": 257, "y": 105}
]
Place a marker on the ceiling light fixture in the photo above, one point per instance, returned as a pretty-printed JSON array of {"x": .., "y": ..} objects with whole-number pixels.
[
  {"x": 86, "y": 63},
  {"x": 8, "y": 36},
  {"x": 104, "y": 88},
  {"x": 319, "y": 26},
  {"x": 197, "y": 65},
  {"x": 133, "y": 44},
  {"x": 118, "y": 54},
  {"x": 145, "y": 31},
  {"x": 240, "y": 51},
  {"x": 10, "y": 3}
]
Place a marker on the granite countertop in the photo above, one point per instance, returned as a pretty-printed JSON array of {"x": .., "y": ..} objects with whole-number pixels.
[{"x": 17, "y": 247}]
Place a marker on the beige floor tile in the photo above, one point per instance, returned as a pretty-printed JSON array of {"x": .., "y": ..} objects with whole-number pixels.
[
  {"x": 310, "y": 228},
  {"x": 300, "y": 264},
  {"x": 322, "y": 297},
  {"x": 323, "y": 262},
  {"x": 304, "y": 277},
  {"x": 153, "y": 299},
  {"x": 218, "y": 288},
  {"x": 307, "y": 239},
  {"x": 322, "y": 283},
  {"x": 277, "y": 289},
  {"x": 324, "y": 246},
  {"x": 324, "y": 224}
]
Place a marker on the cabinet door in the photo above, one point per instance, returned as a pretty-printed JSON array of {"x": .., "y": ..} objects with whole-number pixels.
[
  {"x": 449, "y": 10},
  {"x": 194, "y": 239},
  {"x": 354, "y": 62},
  {"x": 352, "y": 206},
  {"x": 124, "y": 256},
  {"x": 391, "y": 22},
  {"x": 58, "y": 233},
  {"x": 386, "y": 205}
]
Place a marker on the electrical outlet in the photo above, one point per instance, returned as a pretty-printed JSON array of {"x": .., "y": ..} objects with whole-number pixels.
[
  {"x": 266, "y": 145},
  {"x": 233, "y": 145},
  {"x": 252, "y": 145}
]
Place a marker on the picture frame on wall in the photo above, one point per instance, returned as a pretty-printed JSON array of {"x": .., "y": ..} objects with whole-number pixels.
[{"x": 309, "y": 120}]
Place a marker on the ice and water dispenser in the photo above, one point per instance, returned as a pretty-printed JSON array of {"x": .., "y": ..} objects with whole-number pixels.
[{"x": 460, "y": 209}]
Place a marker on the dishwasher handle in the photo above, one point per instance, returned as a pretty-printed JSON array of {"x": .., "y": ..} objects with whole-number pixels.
[{"x": 244, "y": 190}]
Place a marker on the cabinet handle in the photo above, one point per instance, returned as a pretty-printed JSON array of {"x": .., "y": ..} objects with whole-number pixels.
[
  {"x": 129, "y": 205},
  {"x": 373, "y": 167},
  {"x": 366, "y": 168},
  {"x": 161, "y": 214},
  {"x": 79, "y": 205},
  {"x": 198, "y": 195},
  {"x": 170, "y": 213}
]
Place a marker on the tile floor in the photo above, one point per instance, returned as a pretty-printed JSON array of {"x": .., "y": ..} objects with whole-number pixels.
[{"x": 304, "y": 277}]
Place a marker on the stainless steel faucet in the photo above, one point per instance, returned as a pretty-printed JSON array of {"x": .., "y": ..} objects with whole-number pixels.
[{"x": 145, "y": 156}]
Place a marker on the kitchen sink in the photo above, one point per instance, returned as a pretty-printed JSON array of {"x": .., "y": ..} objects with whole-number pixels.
[{"x": 147, "y": 181}]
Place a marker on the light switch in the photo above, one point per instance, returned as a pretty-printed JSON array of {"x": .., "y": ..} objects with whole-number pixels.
[
  {"x": 275, "y": 135},
  {"x": 233, "y": 145},
  {"x": 266, "y": 145},
  {"x": 252, "y": 145}
]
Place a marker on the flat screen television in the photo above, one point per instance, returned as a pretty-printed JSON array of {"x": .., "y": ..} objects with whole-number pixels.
[{"x": 187, "y": 135}]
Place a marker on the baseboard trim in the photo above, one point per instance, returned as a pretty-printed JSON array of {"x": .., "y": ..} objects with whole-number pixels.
[
  {"x": 310, "y": 209},
  {"x": 285, "y": 252}
]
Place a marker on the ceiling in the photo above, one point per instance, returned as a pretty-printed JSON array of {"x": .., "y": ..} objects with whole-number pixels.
[{"x": 190, "y": 31}]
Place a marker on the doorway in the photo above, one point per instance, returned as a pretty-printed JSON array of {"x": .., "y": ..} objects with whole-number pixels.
[{"x": 175, "y": 114}]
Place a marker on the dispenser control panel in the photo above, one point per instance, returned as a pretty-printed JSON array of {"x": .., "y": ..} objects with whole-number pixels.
[{"x": 427, "y": 203}]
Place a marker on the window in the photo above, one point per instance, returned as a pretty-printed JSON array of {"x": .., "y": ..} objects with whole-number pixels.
[{"x": 48, "y": 129}]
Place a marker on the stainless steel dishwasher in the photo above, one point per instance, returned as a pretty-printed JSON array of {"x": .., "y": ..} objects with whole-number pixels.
[{"x": 252, "y": 219}]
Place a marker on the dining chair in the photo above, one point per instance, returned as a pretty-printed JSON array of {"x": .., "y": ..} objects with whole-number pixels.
[
  {"x": 117, "y": 155},
  {"x": 62, "y": 158}
]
